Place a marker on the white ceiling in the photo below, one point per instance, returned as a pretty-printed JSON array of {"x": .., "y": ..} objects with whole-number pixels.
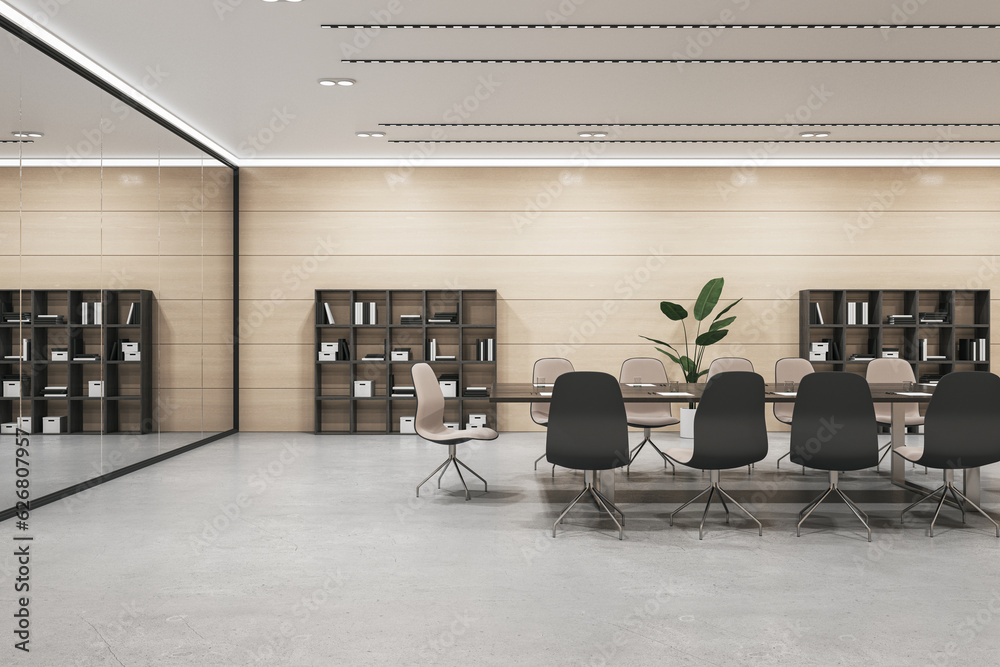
[{"x": 244, "y": 73}]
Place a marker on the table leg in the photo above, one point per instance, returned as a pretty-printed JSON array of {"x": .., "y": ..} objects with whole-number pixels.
[
  {"x": 971, "y": 484},
  {"x": 897, "y": 464}
]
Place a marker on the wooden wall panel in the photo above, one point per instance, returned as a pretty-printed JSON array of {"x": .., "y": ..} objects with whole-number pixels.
[
  {"x": 608, "y": 189},
  {"x": 10, "y": 235},
  {"x": 582, "y": 257},
  {"x": 422, "y": 233}
]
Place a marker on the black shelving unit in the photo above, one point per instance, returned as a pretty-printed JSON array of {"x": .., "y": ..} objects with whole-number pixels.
[
  {"x": 339, "y": 410},
  {"x": 126, "y": 403},
  {"x": 966, "y": 316}
]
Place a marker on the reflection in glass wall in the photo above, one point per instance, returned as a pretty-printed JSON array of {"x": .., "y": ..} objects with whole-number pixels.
[{"x": 116, "y": 286}]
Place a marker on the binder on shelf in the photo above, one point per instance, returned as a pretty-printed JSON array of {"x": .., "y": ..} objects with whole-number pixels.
[
  {"x": 25, "y": 349},
  {"x": 133, "y": 313},
  {"x": 815, "y": 313},
  {"x": 484, "y": 349},
  {"x": 343, "y": 350},
  {"x": 411, "y": 319},
  {"x": 365, "y": 312}
]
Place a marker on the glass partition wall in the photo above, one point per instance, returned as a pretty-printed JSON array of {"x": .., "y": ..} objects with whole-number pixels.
[{"x": 116, "y": 280}]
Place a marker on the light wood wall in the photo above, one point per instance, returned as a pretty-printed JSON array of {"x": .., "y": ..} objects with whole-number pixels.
[
  {"x": 168, "y": 230},
  {"x": 581, "y": 257}
]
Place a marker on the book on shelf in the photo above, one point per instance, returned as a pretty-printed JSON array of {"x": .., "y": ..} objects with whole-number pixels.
[
  {"x": 411, "y": 319},
  {"x": 443, "y": 318},
  {"x": 930, "y": 378},
  {"x": 17, "y": 318},
  {"x": 922, "y": 345},
  {"x": 431, "y": 351},
  {"x": 936, "y": 317},
  {"x": 133, "y": 313},
  {"x": 365, "y": 312},
  {"x": 476, "y": 392},
  {"x": 91, "y": 312},
  {"x": 25, "y": 349},
  {"x": 50, "y": 319},
  {"x": 343, "y": 350},
  {"x": 857, "y": 312},
  {"x": 862, "y": 357},
  {"x": 86, "y": 357},
  {"x": 900, "y": 319},
  {"x": 815, "y": 313},
  {"x": 445, "y": 357},
  {"x": 329, "y": 313},
  {"x": 374, "y": 356}
]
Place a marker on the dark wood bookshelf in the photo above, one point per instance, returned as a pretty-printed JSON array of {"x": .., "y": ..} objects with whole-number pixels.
[
  {"x": 83, "y": 414},
  {"x": 338, "y": 410},
  {"x": 967, "y": 315}
]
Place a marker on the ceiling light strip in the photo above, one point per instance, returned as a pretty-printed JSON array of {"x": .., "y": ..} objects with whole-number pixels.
[
  {"x": 662, "y": 26},
  {"x": 687, "y": 125},
  {"x": 693, "y": 141},
  {"x": 667, "y": 61},
  {"x": 85, "y": 63}
]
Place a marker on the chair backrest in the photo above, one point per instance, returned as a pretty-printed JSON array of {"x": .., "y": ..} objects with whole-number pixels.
[
  {"x": 729, "y": 427},
  {"x": 789, "y": 369},
  {"x": 549, "y": 368},
  {"x": 727, "y": 364},
  {"x": 647, "y": 369},
  {"x": 962, "y": 424},
  {"x": 881, "y": 371},
  {"x": 834, "y": 426},
  {"x": 587, "y": 427},
  {"x": 430, "y": 402}
]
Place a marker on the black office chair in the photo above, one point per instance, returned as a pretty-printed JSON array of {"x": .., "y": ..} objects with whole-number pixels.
[
  {"x": 729, "y": 432},
  {"x": 429, "y": 424},
  {"x": 587, "y": 430},
  {"x": 834, "y": 429},
  {"x": 961, "y": 430}
]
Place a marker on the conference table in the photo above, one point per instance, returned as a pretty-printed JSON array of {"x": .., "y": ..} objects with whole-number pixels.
[{"x": 898, "y": 395}]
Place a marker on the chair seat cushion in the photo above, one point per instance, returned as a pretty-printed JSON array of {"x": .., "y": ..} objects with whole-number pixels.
[
  {"x": 449, "y": 436},
  {"x": 910, "y": 452},
  {"x": 642, "y": 421},
  {"x": 680, "y": 455}
]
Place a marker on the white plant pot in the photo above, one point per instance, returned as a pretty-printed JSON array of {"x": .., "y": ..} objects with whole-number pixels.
[{"x": 687, "y": 422}]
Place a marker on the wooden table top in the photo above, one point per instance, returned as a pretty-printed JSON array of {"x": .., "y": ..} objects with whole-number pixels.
[{"x": 525, "y": 392}]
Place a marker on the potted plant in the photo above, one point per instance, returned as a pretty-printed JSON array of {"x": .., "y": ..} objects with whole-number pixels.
[{"x": 689, "y": 362}]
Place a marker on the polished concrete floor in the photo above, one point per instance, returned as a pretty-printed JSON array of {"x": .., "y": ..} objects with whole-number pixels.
[{"x": 292, "y": 549}]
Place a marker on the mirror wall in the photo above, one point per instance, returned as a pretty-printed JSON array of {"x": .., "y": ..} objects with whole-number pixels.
[{"x": 106, "y": 207}]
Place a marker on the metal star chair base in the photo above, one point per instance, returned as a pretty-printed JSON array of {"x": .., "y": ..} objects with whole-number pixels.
[
  {"x": 444, "y": 468},
  {"x": 957, "y": 496},
  {"x": 833, "y": 488},
  {"x": 711, "y": 491},
  {"x": 785, "y": 455},
  {"x": 635, "y": 452},
  {"x": 602, "y": 502}
]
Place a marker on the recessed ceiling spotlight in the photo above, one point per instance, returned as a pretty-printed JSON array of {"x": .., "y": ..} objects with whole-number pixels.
[
  {"x": 593, "y": 134},
  {"x": 337, "y": 82},
  {"x": 375, "y": 134},
  {"x": 27, "y": 135},
  {"x": 378, "y": 134},
  {"x": 282, "y": 0},
  {"x": 814, "y": 134}
]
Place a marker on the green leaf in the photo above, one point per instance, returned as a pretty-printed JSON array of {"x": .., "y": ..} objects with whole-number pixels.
[
  {"x": 704, "y": 372},
  {"x": 660, "y": 342},
  {"x": 672, "y": 357},
  {"x": 688, "y": 365},
  {"x": 722, "y": 324},
  {"x": 673, "y": 311},
  {"x": 711, "y": 337},
  {"x": 708, "y": 298},
  {"x": 726, "y": 309}
]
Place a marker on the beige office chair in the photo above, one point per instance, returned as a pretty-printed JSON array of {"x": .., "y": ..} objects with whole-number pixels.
[
  {"x": 547, "y": 370},
  {"x": 789, "y": 369},
  {"x": 429, "y": 424},
  {"x": 646, "y": 416},
  {"x": 725, "y": 365},
  {"x": 891, "y": 371}
]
